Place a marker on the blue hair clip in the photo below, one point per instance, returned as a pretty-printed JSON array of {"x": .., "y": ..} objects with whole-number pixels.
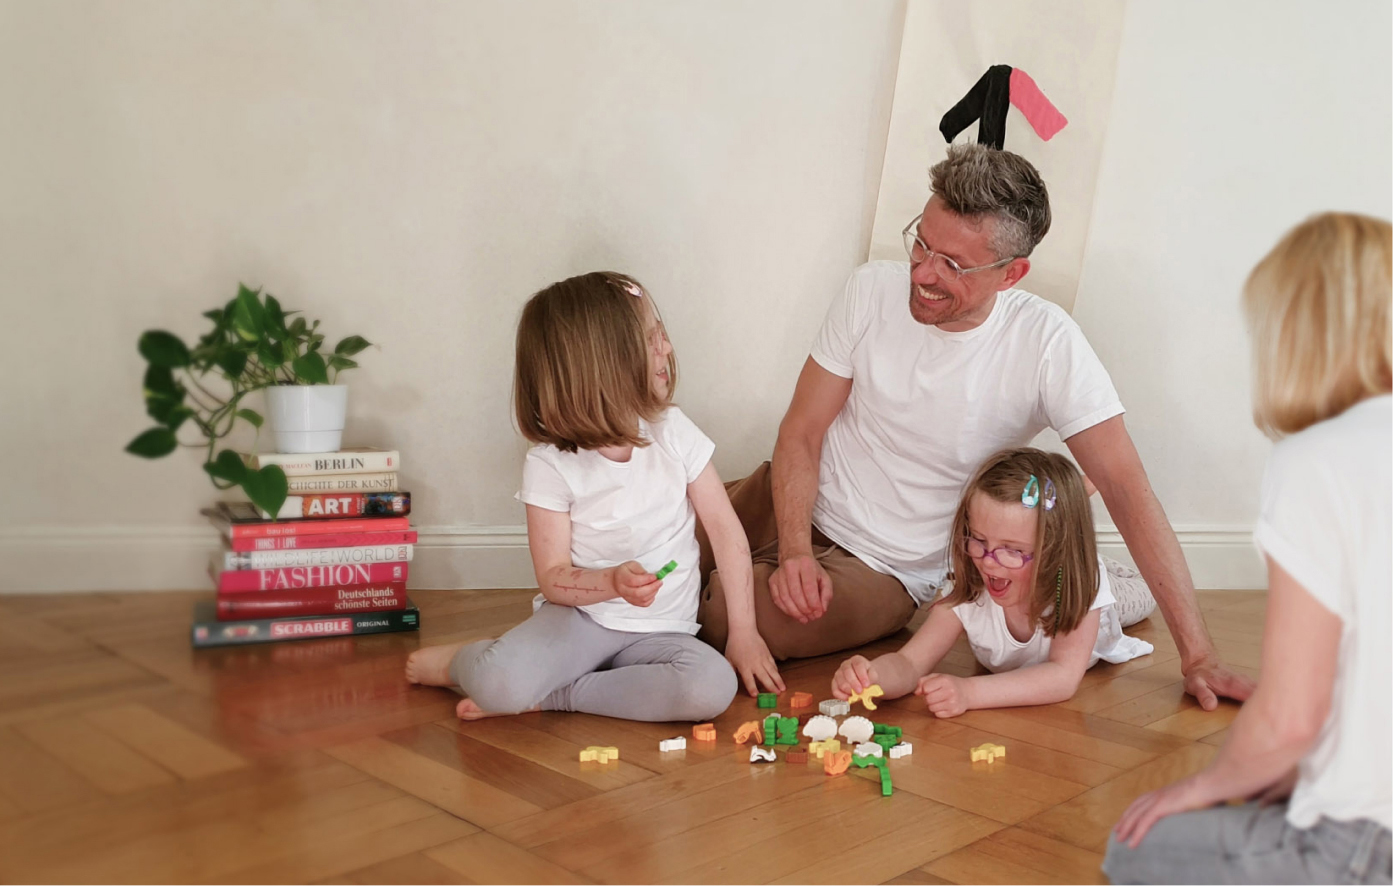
[{"x": 1031, "y": 496}]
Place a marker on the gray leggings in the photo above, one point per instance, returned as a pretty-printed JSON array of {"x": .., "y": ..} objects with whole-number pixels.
[
  {"x": 562, "y": 660},
  {"x": 1253, "y": 844}
]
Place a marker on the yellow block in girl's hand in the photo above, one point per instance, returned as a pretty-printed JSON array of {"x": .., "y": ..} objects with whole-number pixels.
[{"x": 865, "y": 696}]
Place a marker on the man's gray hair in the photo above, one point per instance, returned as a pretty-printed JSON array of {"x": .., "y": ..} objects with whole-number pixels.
[{"x": 978, "y": 181}]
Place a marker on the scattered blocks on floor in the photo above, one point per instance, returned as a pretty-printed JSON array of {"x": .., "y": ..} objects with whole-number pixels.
[
  {"x": 796, "y": 755},
  {"x": 820, "y": 748},
  {"x": 988, "y": 752},
  {"x": 866, "y": 696},
  {"x": 598, "y": 754},
  {"x": 704, "y": 732},
  {"x": 820, "y": 728},
  {"x": 672, "y": 744},
  {"x": 762, "y": 755},
  {"x": 836, "y": 763},
  {"x": 868, "y": 749},
  {"x": 750, "y": 730},
  {"x": 771, "y": 729},
  {"x": 788, "y": 731},
  {"x": 857, "y": 730},
  {"x": 802, "y": 699},
  {"x": 903, "y": 749},
  {"x": 768, "y": 700},
  {"x": 834, "y": 708}
]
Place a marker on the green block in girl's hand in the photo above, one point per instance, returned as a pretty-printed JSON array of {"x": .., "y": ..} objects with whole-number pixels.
[{"x": 663, "y": 573}]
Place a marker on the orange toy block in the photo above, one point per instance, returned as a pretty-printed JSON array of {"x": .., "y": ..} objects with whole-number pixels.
[
  {"x": 704, "y": 732},
  {"x": 751, "y": 730},
  {"x": 836, "y": 763},
  {"x": 802, "y": 700}
]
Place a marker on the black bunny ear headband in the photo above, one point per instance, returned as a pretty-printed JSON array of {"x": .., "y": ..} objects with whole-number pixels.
[{"x": 991, "y": 97}]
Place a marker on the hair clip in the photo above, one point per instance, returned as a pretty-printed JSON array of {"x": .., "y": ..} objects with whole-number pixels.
[
  {"x": 633, "y": 289},
  {"x": 1031, "y": 496},
  {"x": 1049, "y": 494}
]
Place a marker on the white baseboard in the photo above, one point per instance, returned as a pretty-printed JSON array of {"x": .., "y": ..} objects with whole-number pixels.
[{"x": 113, "y": 558}]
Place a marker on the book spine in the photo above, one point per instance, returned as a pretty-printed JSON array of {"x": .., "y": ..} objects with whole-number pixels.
[
  {"x": 316, "y": 527},
  {"x": 207, "y": 632},
  {"x": 340, "y": 505},
  {"x": 295, "y": 465},
  {"x": 334, "y": 540},
  {"x": 318, "y": 601},
  {"x": 291, "y": 578},
  {"x": 381, "y": 482},
  {"x": 265, "y": 560}
]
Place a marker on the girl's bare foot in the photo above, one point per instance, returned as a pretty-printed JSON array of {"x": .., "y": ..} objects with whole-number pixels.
[
  {"x": 468, "y": 710},
  {"x": 431, "y": 666}
]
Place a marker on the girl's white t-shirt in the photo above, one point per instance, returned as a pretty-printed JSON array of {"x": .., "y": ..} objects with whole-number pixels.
[
  {"x": 633, "y": 510},
  {"x": 996, "y": 650},
  {"x": 1325, "y": 519}
]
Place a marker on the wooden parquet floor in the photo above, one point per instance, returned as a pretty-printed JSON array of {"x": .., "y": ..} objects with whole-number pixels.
[{"x": 126, "y": 756}]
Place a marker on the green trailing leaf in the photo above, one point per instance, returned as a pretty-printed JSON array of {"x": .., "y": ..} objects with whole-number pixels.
[
  {"x": 161, "y": 407},
  {"x": 311, "y": 368},
  {"x": 153, "y": 443},
  {"x": 227, "y": 466},
  {"x": 159, "y": 380},
  {"x": 351, "y": 345},
  {"x": 337, "y": 363},
  {"x": 289, "y": 351},
  {"x": 270, "y": 355},
  {"x": 251, "y": 416},
  {"x": 176, "y": 417},
  {"x": 275, "y": 317},
  {"x": 232, "y": 362},
  {"x": 248, "y": 317},
  {"x": 298, "y": 327},
  {"x": 267, "y": 488},
  {"x": 163, "y": 349}
]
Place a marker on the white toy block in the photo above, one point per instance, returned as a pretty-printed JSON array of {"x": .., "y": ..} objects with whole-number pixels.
[
  {"x": 834, "y": 708},
  {"x": 903, "y": 749},
  {"x": 857, "y": 730},
  {"x": 820, "y": 728},
  {"x": 762, "y": 755},
  {"x": 868, "y": 749},
  {"x": 673, "y": 744}
]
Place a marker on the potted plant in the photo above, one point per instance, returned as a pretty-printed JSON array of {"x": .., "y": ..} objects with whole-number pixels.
[{"x": 253, "y": 345}]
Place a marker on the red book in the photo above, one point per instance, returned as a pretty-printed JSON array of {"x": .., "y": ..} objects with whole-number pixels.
[
  {"x": 313, "y": 601},
  {"x": 240, "y": 520},
  {"x": 297, "y": 578},
  {"x": 332, "y": 540},
  {"x": 342, "y": 505}
]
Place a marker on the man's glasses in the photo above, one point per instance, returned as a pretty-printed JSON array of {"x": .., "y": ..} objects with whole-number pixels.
[{"x": 943, "y": 266}]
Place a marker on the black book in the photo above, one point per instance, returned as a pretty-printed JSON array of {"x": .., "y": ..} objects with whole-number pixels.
[{"x": 208, "y": 631}]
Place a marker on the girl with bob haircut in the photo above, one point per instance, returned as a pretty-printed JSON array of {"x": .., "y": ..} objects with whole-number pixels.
[
  {"x": 614, "y": 483},
  {"x": 1310, "y": 750},
  {"x": 1026, "y": 588}
]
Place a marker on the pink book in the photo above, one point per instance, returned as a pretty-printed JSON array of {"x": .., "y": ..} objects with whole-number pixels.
[
  {"x": 336, "y": 540},
  {"x": 291, "y": 578}
]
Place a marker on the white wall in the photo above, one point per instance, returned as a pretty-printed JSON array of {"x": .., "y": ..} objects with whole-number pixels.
[
  {"x": 410, "y": 172},
  {"x": 1231, "y": 122}
]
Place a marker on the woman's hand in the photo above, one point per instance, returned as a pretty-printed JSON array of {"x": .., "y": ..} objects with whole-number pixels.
[
  {"x": 855, "y": 674},
  {"x": 1183, "y": 796},
  {"x": 749, "y": 655},
  {"x": 945, "y": 695}
]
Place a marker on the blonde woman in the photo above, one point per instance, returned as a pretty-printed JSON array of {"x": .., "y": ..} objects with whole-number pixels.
[{"x": 1310, "y": 751}]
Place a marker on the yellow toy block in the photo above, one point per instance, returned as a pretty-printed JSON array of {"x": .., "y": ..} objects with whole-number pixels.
[
  {"x": 988, "y": 752},
  {"x": 598, "y": 754},
  {"x": 866, "y": 695},
  {"x": 819, "y": 748}
]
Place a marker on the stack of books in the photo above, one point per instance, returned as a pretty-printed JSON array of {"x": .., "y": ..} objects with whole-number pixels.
[{"x": 333, "y": 561}]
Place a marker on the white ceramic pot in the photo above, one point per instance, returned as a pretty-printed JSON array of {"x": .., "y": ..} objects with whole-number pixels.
[{"x": 307, "y": 418}]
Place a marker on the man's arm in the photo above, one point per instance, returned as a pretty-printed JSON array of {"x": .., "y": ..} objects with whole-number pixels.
[
  {"x": 800, "y": 587},
  {"x": 1107, "y": 455}
]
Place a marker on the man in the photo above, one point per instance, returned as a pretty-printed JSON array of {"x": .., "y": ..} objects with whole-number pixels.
[{"x": 918, "y": 374}]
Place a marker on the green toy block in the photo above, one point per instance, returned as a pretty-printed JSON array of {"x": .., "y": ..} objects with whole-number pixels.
[
  {"x": 768, "y": 700},
  {"x": 771, "y": 730},
  {"x": 666, "y": 570},
  {"x": 886, "y": 788},
  {"x": 885, "y": 741},
  {"x": 788, "y": 731},
  {"x": 882, "y": 729}
]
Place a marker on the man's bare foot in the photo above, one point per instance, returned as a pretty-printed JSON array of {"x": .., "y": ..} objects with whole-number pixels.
[
  {"x": 431, "y": 666},
  {"x": 468, "y": 710}
]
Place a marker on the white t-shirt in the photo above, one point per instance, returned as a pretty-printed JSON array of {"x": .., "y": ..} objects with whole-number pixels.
[
  {"x": 927, "y": 407},
  {"x": 633, "y": 510},
  {"x": 1325, "y": 518},
  {"x": 993, "y": 646}
]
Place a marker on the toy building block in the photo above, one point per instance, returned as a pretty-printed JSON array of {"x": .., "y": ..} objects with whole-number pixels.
[
  {"x": 750, "y": 730},
  {"x": 802, "y": 699},
  {"x": 768, "y": 700},
  {"x": 882, "y": 729},
  {"x": 903, "y": 749},
  {"x": 857, "y": 729},
  {"x": 988, "y": 752},
  {"x": 672, "y": 744},
  {"x": 820, "y": 728},
  {"x": 598, "y": 754},
  {"x": 834, "y": 708},
  {"x": 885, "y": 741},
  {"x": 866, "y": 696},
  {"x": 771, "y": 730},
  {"x": 886, "y": 788},
  {"x": 820, "y": 748},
  {"x": 666, "y": 570},
  {"x": 762, "y": 755},
  {"x": 704, "y": 732},
  {"x": 836, "y": 763},
  {"x": 787, "y": 731},
  {"x": 868, "y": 749},
  {"x": 796, "y": 755}
]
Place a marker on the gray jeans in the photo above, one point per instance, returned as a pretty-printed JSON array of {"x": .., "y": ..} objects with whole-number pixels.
[
  {"x": 562, "y": 660},
  {"x": 1253, "y": 844}
]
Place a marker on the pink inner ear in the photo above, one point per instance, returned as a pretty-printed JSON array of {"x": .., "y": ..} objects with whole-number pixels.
[{"x": 1042, "y": 115}]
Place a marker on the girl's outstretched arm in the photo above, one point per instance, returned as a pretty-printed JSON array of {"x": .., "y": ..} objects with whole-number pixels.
[
  {"x": 1044, "y": 683},
  {"x": 899, "y": 672},
  {"x": 562, "y": 583},
  {"x": 745, "y": 648}
]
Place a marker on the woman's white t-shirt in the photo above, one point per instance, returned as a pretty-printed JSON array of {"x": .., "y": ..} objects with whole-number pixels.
[
  {"x": 633, "y": 510},
  {"x": 1325, "y": 519},
  {"x": 997, "y": 650}
]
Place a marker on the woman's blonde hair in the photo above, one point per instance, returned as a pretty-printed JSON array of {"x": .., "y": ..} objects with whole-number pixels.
[
  {"x": 1318, "y": 310},
  {"x": 1066, "y": 557},
  {"x": 582, "y": 379}
]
